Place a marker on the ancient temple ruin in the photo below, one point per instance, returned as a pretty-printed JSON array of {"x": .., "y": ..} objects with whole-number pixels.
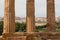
[{"x": 9, "y": 22}]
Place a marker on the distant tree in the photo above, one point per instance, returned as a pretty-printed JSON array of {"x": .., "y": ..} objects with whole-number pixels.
[
  {"x": 20, "y": 27},
  {"x": 38, "y": 28},
  {"x": 1, "y": 27},
  {"x": 17, "y": 25},
  {"x": 58, "y": 25}
]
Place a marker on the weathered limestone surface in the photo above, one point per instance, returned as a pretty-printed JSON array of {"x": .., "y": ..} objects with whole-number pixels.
[
  {"x": 9, "y": 16},
  {"x": 51, "y": 26},
  {"x": 0, "y": 37},
  {"x": 51, "y": 16},
  {"x": 17, "y": 38},
  {"x": 30, "y": 16}
]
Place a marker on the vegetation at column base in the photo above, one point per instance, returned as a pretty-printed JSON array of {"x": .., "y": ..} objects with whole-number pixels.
[
  {"x": 21, "y": 27},
  {"x": 1, "y": 27}
]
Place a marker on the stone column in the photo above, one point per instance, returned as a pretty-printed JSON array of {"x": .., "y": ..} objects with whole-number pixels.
[
  {"x": 51, "y": 26},
  {"x": 9, "y": 18},
  {"x": 30, "y": 18}
]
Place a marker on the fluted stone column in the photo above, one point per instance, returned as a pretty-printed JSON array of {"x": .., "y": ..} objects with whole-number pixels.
[
  {"x": 30, "y": 18},
  {"x": 9, "y": 18},
  {"x": 51, "y": 16}
]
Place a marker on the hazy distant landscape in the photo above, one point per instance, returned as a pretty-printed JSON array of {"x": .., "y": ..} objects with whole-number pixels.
[
  {"x": 38, "y": 20},
  {"x": 40, "y": 24}
]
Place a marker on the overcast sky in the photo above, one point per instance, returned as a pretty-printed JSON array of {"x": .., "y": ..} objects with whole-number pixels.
[{"x": 40, "y": 8}]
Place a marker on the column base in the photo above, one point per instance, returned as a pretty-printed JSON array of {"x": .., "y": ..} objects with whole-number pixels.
[{"x": 5, "y": 36}]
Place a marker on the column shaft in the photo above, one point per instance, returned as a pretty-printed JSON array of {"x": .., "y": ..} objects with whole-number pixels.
[
  {"x": 9, "y": 16},
  {"x": 30, "y": 18},
  {"x": 51, "y": 16}
]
